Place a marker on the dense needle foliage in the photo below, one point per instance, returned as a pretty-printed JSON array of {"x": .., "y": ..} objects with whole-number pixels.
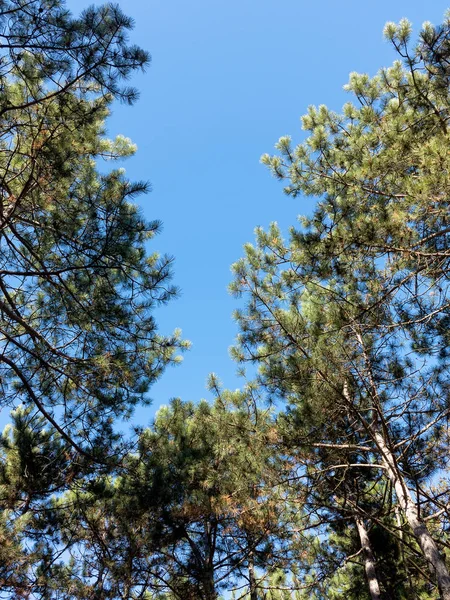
[{"x": 326, "y": 476}]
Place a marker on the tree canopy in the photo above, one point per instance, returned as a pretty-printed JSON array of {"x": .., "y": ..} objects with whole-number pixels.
[
  {"x": 347, "y": 320},
  {"x": 77, "y": 284},
  {"x": 326, "y": 475}
]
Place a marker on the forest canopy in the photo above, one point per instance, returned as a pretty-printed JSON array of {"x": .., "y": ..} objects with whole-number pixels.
[{"x": 326, "y": 474}]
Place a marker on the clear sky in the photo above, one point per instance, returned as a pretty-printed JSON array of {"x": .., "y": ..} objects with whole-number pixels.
[{"x": 227, "y": 79}]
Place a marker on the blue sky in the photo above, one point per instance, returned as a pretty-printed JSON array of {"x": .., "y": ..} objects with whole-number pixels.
[{"x": 227, "y": 80}]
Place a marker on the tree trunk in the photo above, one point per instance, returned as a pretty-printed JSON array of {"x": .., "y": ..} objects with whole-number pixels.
[
  {"x": 427, "y": 544},
  {"x": 412, "y": 593},
  {"x": 369, "y": 560},
  {"x": 209, "y": 587},
  {"x": 251, "y": 578}
]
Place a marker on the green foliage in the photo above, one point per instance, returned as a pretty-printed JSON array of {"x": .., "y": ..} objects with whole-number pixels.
[
  {"x": 347, "y": 319},
  {"x": 77, "y": 285},
  {"x": 183, "y": 517},
  {"x": 79, "y": 344},
  {"x": 335, "y": 484}
]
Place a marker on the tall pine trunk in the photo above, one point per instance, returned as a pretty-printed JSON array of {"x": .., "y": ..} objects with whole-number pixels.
[
  {"x": 209, "y": 589},
  {"x": 208, "y": 584},
  {"x": 369, "y": 560},
  {"x": 427, "y": 544},
  {"x": 251, "y": 578},
  {"x": 411, "y": 591}
]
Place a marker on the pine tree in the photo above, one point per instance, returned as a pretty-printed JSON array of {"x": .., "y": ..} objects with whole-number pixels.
[
  {"x": 79, "y": 344},
  {"x": 348, "y": 319},
  {"x": 196, "y": 510},
  {"x": 77, "y": 286},
  {"x": 34, "y": 464}
]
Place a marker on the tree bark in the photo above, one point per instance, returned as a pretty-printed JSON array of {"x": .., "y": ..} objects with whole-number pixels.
[
  {"x": 426, "y": 542},
  {"x": 251, "y": 578},
  {"x": 398, "y": 519},
  {"x": 369, "y": 560},
  {"x": 209, "y": 587}
]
